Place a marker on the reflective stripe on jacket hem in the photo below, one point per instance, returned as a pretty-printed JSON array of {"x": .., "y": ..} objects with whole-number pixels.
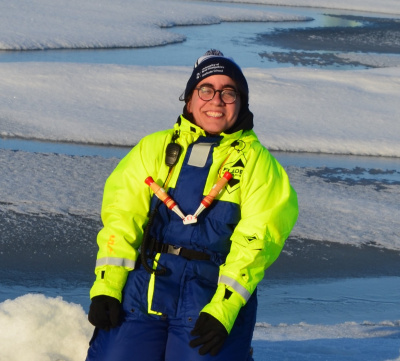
[
  {"x": 235, "y": 285},
  {"x": 114, "y": 261}
]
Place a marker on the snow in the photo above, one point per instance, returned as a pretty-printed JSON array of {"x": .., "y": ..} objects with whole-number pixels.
[
  {"x": 48, "y": 24},
  {"x": 296, "y": 109},
  {"x": 293, "y": 107},
  {"x": 391, "y": 7},
  {"x": 39, "y": 328}
]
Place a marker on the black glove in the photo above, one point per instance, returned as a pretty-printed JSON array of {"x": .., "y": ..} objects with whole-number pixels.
[
  {"x": 105, "y": 312},
  {"x": 211, "y": 332}
]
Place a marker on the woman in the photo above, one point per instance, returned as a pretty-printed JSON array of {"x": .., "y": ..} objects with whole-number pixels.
[{"x": 172, "y": 283}]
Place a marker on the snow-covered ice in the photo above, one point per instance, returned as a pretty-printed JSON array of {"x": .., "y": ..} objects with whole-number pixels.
[{"x": 293, "y": 108}]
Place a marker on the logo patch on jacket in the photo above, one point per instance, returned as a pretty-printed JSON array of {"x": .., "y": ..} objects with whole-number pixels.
[{"x": 236, "y": 168}]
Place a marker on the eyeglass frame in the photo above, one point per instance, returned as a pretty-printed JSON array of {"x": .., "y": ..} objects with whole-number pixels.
[{"x": 216, "y": 91}]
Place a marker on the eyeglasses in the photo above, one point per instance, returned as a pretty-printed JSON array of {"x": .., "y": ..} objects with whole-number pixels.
[{"x": 206, "y": 93}]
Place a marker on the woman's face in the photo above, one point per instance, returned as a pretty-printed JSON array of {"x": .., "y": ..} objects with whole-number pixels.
[{"x": 214, "y": 116}]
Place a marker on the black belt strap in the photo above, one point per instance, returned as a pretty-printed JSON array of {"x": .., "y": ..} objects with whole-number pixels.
[{"x": 181, "y": 251}]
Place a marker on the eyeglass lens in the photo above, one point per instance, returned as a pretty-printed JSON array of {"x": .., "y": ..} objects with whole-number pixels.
[{"x": 207, "y": 93}]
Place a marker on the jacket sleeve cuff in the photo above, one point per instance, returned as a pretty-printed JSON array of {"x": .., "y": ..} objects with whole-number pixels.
[
  {"x": 110, "y": 281},
  {"x": 225, "y": 306}
]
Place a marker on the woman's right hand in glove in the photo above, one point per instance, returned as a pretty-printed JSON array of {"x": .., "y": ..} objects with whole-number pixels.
[{"x": 105, "y": 312}]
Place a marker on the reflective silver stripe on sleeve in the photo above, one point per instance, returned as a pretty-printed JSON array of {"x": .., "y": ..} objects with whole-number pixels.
[
  {"x": 114, "y": 261},
  {"x": 235, "y": 285}
]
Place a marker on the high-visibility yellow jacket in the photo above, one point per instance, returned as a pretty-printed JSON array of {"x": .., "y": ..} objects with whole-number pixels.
[{"x": 243, "y": 231}]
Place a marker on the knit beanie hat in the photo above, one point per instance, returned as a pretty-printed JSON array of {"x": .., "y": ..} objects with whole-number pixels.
[{"x": 213, "y": 62}]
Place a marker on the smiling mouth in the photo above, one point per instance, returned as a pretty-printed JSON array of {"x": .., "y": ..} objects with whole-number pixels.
[{"x": 214, "y": 114}]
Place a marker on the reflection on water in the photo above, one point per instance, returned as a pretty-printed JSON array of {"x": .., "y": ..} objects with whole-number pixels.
[{"x": 339, "y": 21}]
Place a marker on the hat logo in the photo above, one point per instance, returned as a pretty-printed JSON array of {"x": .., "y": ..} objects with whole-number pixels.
[{"x": 197, "y": 75}]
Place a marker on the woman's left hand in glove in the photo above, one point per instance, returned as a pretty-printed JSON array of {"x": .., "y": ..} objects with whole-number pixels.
[{"x": 211, "y": 334}]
